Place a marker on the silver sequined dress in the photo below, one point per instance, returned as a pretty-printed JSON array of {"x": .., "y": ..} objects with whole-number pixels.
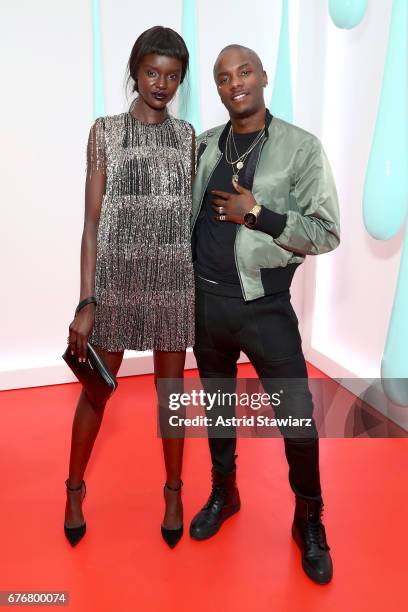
[{"x": 144, "y": 282}]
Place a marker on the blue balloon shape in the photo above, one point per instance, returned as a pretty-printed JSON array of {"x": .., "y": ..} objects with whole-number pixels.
[
  {"x": 281, "y": 104},
  {"x": 385, "y": 201},
  {"x": 347, "y": 14},
  {"x": 189, "y": 97}
]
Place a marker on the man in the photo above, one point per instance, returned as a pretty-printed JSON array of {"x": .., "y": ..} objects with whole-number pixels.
[{"x": 264, "y": 198}]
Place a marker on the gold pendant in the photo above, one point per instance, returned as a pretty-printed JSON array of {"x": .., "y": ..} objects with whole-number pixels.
[{"x": 235, "y": 178}]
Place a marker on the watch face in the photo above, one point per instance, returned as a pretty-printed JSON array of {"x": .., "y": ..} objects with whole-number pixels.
[{"x": 250, "y": 219}]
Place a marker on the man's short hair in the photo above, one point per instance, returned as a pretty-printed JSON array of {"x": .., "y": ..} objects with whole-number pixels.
[{"x": 253, "y": 55}]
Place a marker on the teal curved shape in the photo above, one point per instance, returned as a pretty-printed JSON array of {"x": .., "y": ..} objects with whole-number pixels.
[
  {"x": 385, "y": 190},
  {"x": 189, "y": 93},
  {"x": 282, "y": 103},
  {"x": 394, "y": 365},
  {"x": 347, "y": 14},
  {"x": 385, "y": 199},
  {"x": 98, "y": 93}
]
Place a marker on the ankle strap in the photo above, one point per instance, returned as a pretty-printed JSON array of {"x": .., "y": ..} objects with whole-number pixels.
[
  {"x": 166, "y": 486},
  {"x": 76, "y": 488}
]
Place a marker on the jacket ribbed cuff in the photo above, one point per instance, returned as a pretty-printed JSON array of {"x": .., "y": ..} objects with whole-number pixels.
[{"x": 270, "y": 222}]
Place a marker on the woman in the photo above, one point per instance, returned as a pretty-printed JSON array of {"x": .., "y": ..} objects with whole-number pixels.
[{"x": 135, "y": 255}]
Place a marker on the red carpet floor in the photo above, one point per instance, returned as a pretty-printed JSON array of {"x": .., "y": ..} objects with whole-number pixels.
[{"x": 123, "y": 565}]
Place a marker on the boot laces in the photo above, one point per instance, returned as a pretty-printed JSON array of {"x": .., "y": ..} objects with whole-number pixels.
[
  {"x": 214, "y": 496},
  {"x": 216, "y": 491},
  {"x": 316, "y": 533}
]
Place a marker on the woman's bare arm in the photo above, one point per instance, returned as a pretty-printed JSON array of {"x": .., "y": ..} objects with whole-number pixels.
[{"x": 95, "y": 184}]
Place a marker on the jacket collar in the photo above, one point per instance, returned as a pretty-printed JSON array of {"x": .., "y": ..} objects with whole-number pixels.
[{"x": 224, "y": 133}]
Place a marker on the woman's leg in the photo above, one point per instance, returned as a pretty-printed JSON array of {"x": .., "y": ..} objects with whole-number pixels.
[
  {"x": 87, "y": 421},
  {"x": 171, "y": 365}
]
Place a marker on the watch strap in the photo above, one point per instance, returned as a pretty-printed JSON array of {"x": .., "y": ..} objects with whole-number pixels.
[{"x": 249, "y": 217}]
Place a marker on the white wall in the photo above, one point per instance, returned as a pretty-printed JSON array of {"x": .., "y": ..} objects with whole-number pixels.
[
  {"x": 46, "y": 110},
  {"x": 46, "y": 67},
  {"x": 350, "y": 305}
]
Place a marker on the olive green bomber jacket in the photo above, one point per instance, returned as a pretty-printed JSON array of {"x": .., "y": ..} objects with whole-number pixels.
[{"x": 292, "y": 177}]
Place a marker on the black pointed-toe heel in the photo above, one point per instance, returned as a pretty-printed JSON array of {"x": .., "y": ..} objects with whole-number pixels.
[
  {"x": 75, "y": 534},
  {"x": 172, "y": 536}
]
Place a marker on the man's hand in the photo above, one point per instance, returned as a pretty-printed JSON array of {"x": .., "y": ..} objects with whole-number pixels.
[{"x": 233, "y": 206}]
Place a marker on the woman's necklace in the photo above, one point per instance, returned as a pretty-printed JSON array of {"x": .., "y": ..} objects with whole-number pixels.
[{"x": 240, "y": 159}]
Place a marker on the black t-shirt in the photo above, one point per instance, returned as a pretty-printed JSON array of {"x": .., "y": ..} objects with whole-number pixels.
[{"x": 214, "y": 240}]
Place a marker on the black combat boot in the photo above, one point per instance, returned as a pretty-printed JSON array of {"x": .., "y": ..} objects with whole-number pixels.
[
  {"x": 223, "y": 502},
  {"x": 309, "y": 534}
]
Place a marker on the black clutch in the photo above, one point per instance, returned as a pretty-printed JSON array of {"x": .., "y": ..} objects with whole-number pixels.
[{"x": 96, "y": 378}]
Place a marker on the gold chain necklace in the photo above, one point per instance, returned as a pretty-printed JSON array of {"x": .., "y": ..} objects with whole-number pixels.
[{"x": 240, "y": 160}]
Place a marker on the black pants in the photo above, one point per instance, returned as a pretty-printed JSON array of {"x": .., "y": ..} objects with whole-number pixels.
[{"x": 266, "y": 330}]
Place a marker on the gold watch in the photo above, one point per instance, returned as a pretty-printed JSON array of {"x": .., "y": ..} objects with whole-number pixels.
[{"x": 251, "y": 217}]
